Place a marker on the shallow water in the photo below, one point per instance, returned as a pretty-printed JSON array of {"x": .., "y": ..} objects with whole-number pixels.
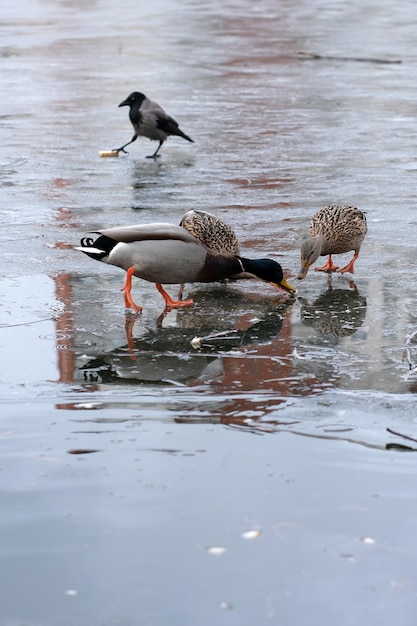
[{"x": 129, "y": 452}]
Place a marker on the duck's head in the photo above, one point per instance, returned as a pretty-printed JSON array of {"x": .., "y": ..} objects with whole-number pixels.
[
  {"x": 135, "y": 99},
  {"x": 268, "y": 270},
  {"x": 310, "y": 252}
]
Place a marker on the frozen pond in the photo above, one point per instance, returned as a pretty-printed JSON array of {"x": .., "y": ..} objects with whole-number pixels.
[{"x": 251, "y": 480}]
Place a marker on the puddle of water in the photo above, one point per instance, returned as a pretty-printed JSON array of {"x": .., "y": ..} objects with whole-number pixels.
[{"x": 127, "y": 450}]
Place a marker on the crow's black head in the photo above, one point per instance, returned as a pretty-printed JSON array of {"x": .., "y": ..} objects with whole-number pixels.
[{"x": 135, "y": 99}]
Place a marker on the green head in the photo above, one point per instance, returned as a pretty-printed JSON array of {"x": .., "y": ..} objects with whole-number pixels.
[{"x": 268, "y": 270}]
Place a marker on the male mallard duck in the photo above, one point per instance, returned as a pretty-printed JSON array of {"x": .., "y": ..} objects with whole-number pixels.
[
  {"x": 150, "y": 120},
  {"x": 333, "y": 230},
  {"x": 165, "y": 253},
  {"x": 211, "y": 231}
]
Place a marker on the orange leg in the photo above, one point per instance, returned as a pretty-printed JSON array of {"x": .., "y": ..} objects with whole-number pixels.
[
  {"x": 127, "y": 289},
  {"x": 350, "y": 266},
  {"x": 328, "y": 267},
  {"x": 181, "y": 291},
  {"x": 129, "y": 324},
  {"x": 169, "y": 302}
]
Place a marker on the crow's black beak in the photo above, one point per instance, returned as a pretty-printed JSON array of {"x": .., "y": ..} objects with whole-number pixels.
[{"x": 125, "y": 103}]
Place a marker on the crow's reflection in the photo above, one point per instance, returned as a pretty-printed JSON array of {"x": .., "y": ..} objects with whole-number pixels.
[{"x": 335, "y": 313}]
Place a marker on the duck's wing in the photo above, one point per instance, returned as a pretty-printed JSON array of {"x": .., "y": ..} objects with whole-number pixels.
[{"x": 148, "y": 232}]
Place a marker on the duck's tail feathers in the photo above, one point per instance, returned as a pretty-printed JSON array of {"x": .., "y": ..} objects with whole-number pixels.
[{"x": 89, "y": 248}]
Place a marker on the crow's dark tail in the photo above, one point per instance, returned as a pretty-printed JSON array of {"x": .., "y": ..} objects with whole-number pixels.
[{"x": 183, "y": 135}]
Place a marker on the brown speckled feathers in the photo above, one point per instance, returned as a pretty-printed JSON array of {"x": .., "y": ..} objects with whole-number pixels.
[
  {"x": 211, "y": 231},
  {"x": 342, "y": 227}
]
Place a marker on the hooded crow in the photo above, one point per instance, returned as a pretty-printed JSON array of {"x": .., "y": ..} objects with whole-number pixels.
[{"x": 150, "y": 120}]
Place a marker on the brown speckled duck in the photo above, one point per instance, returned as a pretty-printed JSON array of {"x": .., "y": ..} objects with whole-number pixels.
[
  {"x": 165, "y": 253},
  {"x": 335, "y": 229},
  {"x": 211, "y": 231}
]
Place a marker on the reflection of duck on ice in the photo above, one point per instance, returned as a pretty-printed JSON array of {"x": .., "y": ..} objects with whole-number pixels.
[
  {"x": 167, "y": 354},
  {"x": 336, "y": 313}
]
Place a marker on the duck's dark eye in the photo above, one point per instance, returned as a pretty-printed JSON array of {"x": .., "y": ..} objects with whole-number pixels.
[{"x": 87, "y": 242}]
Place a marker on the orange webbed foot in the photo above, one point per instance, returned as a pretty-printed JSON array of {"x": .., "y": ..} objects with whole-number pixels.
[
  {"x": 169, "y": 302},
  {"x": 350, "y": 266},
  {"x": 328, "y": 267}
]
